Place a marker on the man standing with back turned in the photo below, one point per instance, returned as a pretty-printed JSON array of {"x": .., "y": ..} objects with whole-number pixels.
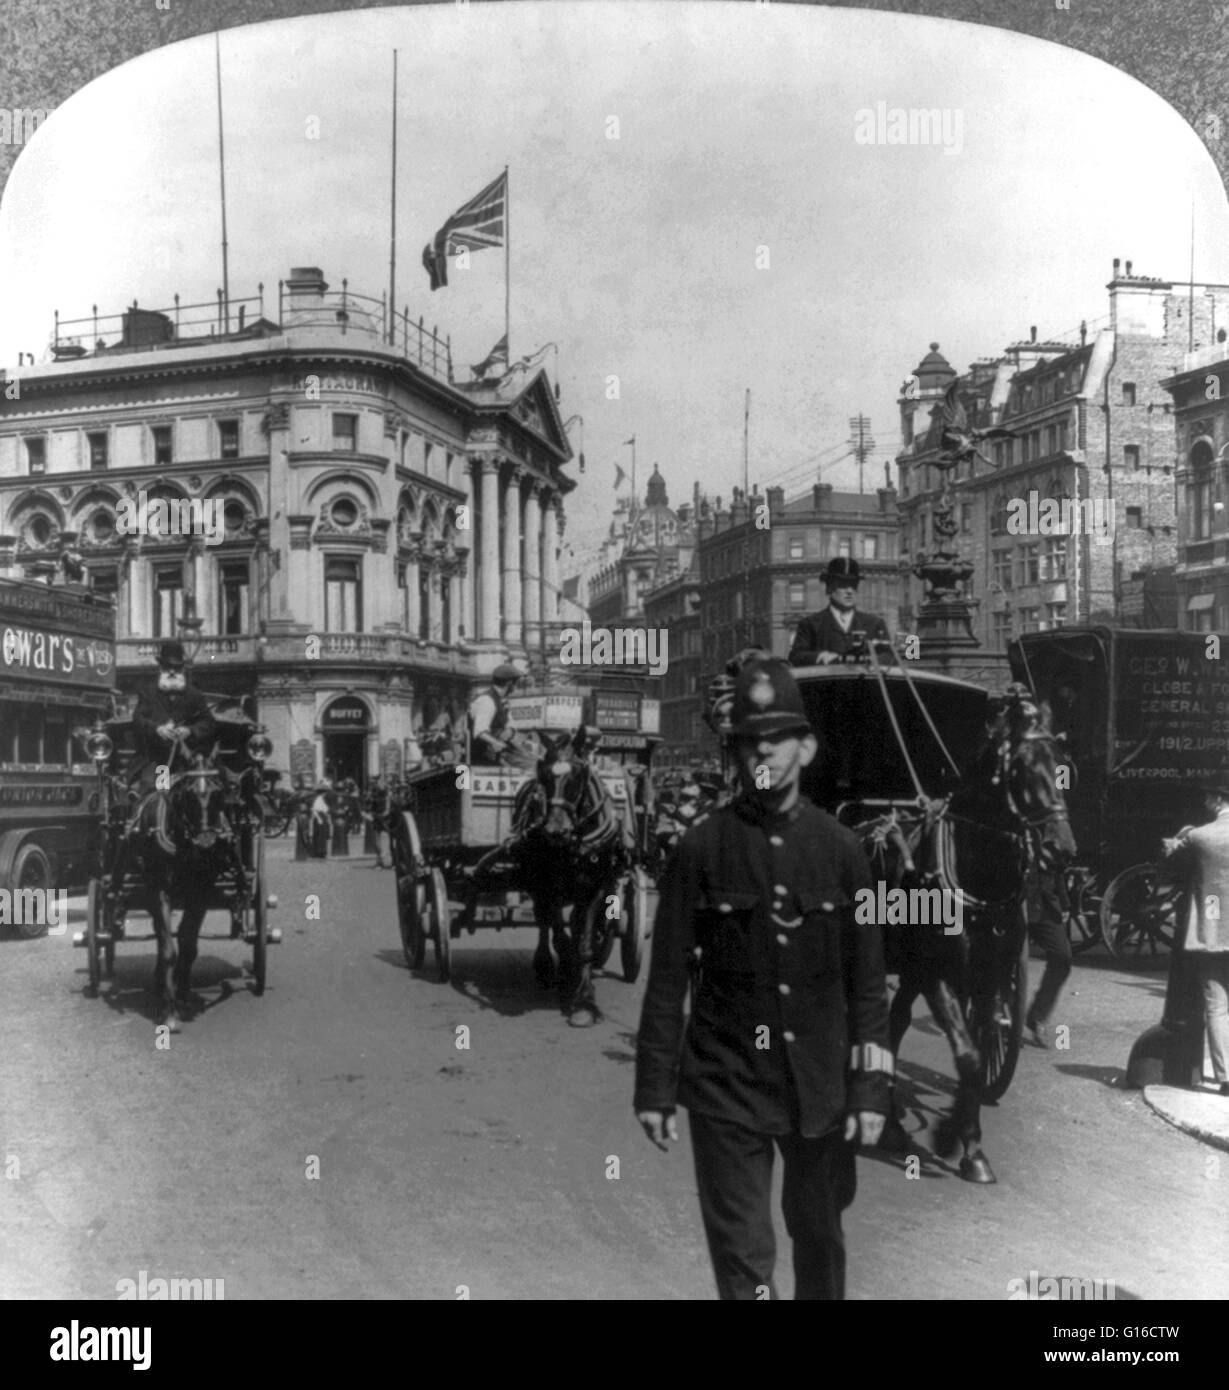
[{"x": 787, "y": 1042}]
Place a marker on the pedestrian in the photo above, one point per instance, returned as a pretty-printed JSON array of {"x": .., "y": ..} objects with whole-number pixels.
[
  {"x": 1203, "y": 851},
  {"x": 321, "y": 820},
  {"x": 828, "y": 635},
  {"x": 379, "y": 804},
  {"x": 764, "y": 889}
]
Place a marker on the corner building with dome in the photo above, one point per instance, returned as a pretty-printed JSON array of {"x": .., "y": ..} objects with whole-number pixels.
[{"x": 388, "y": 537}]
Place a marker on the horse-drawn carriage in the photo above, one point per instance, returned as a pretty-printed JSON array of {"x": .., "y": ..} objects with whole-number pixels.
[
  {"x": 950, "y": 794},
  {"x": 197, "y": 848},
  {"x": 1144, "y": 719},
  {"x": 468, "y": 842}
]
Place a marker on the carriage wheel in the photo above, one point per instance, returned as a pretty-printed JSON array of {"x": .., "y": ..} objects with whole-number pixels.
[
  {"x": 406, "y": 851},
  {"x": 604, "y": 930},
  {"x": 1140, "y": 909},
  {"x": 1083, "y": 909},
  {"x": 260, "y": 924},
  {"x": 93, "y": 929},
  {"x": 635, "y": 923},
  {"x": 999, "y": 1039},
  {"x": 441, "y": 924}
]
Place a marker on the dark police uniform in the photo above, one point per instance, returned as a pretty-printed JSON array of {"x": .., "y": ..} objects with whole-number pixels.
[{"x": 788, "y": 1032}]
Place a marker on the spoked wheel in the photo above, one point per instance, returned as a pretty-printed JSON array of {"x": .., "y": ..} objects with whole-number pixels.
[
  {"x": 260, "y": 922},
  {"x": 634, "y": 924},
  {"x": 605, "y": 928},
  {"x": 1140, "y": 910},
  {"x": 441, "y": 923},
  {"x": 406, "y": 851},
  {"x": 1083, "y": 909},
  {"x": 93, "y": 931},
  {"x": 998, "y": 1023}
]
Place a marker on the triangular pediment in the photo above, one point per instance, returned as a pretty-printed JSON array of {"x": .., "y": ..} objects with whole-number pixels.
[{"x": 534, "y": 407}]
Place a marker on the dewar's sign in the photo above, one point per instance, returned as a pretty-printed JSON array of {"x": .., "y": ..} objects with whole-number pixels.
[{"x": 29, "y": 653}]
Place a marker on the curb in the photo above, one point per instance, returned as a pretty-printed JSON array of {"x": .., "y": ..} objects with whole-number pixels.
[{"x": 1202, "y": 1113}]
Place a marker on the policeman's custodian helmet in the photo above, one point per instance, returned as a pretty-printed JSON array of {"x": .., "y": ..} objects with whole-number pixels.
[
  {"x": 171, "y": 656},
  {"x": 842, "y": 570},
  {"x": 767, "y": 701}
]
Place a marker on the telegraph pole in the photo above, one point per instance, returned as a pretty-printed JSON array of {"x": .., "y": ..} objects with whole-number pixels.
[{"x": 861, "y": 442}]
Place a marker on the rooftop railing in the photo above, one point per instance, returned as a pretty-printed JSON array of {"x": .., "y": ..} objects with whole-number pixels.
[{"x": 138, "y": 329}]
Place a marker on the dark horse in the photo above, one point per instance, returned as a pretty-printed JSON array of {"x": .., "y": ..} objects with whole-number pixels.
[
  {"x": 977, "y": 846},
  {"x": 180, "y": 841},
  {"x": 570, "y": 847}
]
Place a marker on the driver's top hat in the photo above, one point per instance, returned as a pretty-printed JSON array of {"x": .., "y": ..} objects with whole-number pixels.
[
  {"x": 842, "y": 570},
  {"x": 171, "y": 656}
]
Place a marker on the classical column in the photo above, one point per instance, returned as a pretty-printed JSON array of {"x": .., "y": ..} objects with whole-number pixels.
[
  {"x": 464, "y": 615},
  {"x": 532, "y": 597},
  {"x": 488, "y": 626},
  {"x": 412, "y": 616},
  {"x": 552, "y": 535},
  {"x": 512, "y": 559}
]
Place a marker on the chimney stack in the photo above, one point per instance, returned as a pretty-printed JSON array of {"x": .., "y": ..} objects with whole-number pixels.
[
  {"x": 1117, "y": 263},
  {"x": 1032, "y": 334},
  {"x": 1128, "y": 269},
  {"x": 1083, "y": 331}
]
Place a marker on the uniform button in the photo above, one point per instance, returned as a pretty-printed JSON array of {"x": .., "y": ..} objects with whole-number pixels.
[
  {"x": 780, "y": 888},
  {"x": 782, "y": 939},
  {"x": 827, "y": 907},
  {"x": 788, "y": 1036},
  {"x": 783, "y": 987},
  {"x": 724, "y": 907},
  {"x": 775, "y": 840}
]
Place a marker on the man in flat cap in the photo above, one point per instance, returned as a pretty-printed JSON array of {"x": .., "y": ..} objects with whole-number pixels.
[
  {"x": 171, "y": 719},
  {"x": 826, "y": 636},
  {"x": 491, "y": 730},
  {"x": 1203, "y": 852},
  {"x": 787, "y": 1043}
]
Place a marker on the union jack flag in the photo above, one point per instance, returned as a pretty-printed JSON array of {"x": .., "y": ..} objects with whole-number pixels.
[{"x": 476, "y": 226}]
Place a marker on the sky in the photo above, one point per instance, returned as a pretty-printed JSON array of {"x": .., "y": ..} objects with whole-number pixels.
[{"x": 737, "y": 234}]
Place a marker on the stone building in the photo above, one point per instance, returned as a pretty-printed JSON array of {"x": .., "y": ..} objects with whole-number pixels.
[
  {"x": 761, "y": 561},
  {"x": 674, "y": 606},
  {"x": 1091, "y": 425},
  {"x": 1201, "y": 405},
  {"x": 387, "y": 534}
]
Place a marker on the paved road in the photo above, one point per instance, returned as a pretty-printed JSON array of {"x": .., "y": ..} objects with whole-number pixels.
[{"x": 493, "y": 1167}]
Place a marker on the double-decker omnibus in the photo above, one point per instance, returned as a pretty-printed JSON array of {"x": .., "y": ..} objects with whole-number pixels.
[{"x": 57, "y": 674}]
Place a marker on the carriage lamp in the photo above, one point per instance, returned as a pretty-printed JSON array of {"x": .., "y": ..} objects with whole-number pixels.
[
  {"x": 99, "y": 745},
  {"x": 260, "y": 747}
]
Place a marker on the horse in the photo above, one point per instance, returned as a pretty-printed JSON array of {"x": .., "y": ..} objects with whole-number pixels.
[
  {"x": 570, "y": 846},
  {"x": 179, "y": 840},
  {"x": 979, "y": 846}
]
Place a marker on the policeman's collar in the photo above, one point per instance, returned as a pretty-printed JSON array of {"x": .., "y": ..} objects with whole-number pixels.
[{"x": 754, "y": 812}]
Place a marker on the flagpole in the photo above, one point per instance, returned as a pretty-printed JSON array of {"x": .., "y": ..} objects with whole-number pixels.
[
  {"x": 217, "y": 48},
  {"x": 392, "y": 226},
  {"x": 507, "y": 266}
]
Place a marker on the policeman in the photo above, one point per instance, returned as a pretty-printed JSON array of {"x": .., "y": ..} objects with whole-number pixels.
[
  {"x": 172, "y": 713},
  {"x": 826, "y": 636},
  {"x": 787, "y": 982}
]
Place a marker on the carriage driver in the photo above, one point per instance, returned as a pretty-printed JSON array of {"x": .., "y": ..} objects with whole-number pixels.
[
  {"x": 826, "y": 636},
  {"x": 787, "y": 1043},
  {"x": 491, "y": 730},
  {"x": 173, "y": 709}
]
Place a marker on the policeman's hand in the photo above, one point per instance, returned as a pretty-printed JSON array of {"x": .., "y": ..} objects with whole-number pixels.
[
  {"x": 166, "y": 731},
  {"x": 864, "y": 1125},
  {"x": 826, "y": 658},
  {"x": 660, "y": 1126}
]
